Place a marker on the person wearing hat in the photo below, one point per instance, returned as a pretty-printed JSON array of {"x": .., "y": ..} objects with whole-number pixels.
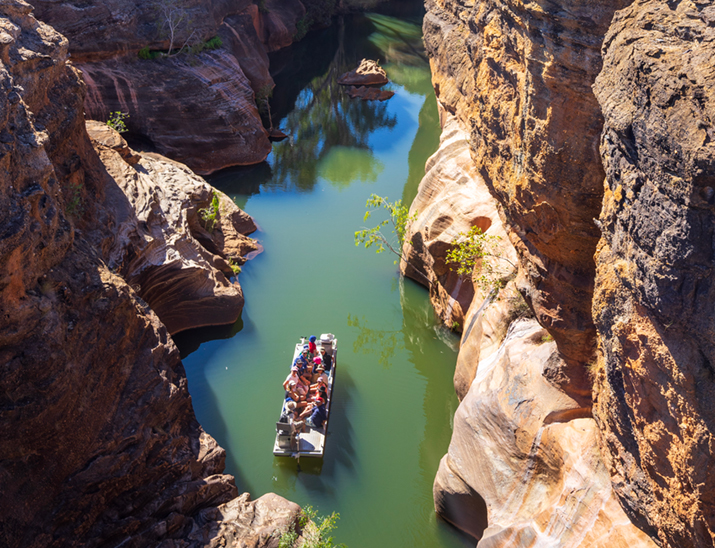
[
  {"x": 303, "y": 360},
  {"x": 311, "y": 345},
  {"x": 315, "y": 412},
  {"x": 319, "y": 375},
  {"x": 327, "y": 359},
  {"x": 292, "y": 376}
]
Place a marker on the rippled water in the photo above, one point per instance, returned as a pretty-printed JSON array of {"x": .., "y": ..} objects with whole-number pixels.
[{"x": 394, "y": 400}]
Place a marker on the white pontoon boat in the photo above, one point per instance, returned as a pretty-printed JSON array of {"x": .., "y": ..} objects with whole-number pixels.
[{"x": 311, "y": 441}]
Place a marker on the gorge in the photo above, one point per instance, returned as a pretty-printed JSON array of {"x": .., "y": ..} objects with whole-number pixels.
[{"x": 577, "y": 402}]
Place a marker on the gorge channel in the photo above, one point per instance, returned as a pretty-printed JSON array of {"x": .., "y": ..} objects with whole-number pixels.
[{"x": 394, "y": 402}]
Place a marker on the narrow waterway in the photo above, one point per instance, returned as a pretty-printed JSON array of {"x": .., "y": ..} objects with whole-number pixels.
[{"x": 394, "y": 400}]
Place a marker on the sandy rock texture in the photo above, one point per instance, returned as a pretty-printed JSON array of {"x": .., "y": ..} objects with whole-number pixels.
[
  {"x": 550, "y": 486},
  {"x": 178, "y": 263},
  {"x": 195, "y": 108},
  {"x": 653, "y": 305},
  {"x": 519, "y": 74},
  {"x": 451, "y": 199},
  {"x": 99, "y": 445}
]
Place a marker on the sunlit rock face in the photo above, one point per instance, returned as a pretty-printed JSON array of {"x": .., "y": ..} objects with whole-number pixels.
[
  {"x": 451, "y": 199},
  {"x": 653, "y": 305},
  {"x": 197, "y": 108},
  {"x": 519, "y": 75},
  {"x": 177, "y": 262},
  {"x": 99, "y": 445},
  {"x": 525, "y": 455}
]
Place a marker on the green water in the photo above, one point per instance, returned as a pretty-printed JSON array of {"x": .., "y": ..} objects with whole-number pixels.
[{"x": 394, "y": 401}]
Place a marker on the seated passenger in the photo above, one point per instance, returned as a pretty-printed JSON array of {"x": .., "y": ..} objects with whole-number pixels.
[
  {"x": 293, "y": 376},
  {"x": 298, "y": 394},
  {"x": 319, "y": 374},
  {"x": 327, "y": 359},
  {"x": 303, "y": 360},
  {"x": 317, "y": 413}
]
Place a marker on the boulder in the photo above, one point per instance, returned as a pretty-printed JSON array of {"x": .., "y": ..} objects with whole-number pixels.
[
  {"x": 369, "y": 94},
  {"x": 368, "y": 73}
]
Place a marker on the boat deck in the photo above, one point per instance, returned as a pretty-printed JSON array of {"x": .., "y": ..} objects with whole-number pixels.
[{"x": 311, "y": 442}]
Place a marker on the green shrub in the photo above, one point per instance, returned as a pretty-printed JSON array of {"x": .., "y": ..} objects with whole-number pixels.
[
  {"x": 147, "y": 55},
  {"x": 315, "y": 531},
  {"x": 116, "y": 121},
  {"x": 208, "y": 214}
]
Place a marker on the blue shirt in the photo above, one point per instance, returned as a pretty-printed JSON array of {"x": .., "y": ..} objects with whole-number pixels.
[{"x": 318, "y": 416}]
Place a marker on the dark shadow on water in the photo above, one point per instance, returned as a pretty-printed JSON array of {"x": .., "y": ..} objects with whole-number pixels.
[
  {"x": 242, "y": 182},
  {"x": 189, "y": 341}
]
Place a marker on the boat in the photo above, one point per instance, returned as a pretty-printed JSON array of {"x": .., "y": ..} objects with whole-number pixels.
[{"x": 311, "y": 441}]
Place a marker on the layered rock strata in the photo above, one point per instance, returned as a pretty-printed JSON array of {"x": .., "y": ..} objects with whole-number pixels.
[
  {"x": 99, "y": 445},
  {"x": 181, "y": 265},
  {"x": 653, "y": 304},
  {"x": 451, "y": 199},
  {"x": 197, "y": 108},
  {"x": 519, "y": 74},
  {"x": 550, "y": 487}
]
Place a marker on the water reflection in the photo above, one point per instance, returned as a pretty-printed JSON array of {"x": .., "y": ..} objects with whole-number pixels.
[{"x": 380, "y": 342}]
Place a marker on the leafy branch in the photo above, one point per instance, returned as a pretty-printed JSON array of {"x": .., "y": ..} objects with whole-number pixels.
[
  {"x": 116, "y": 121},
  {"x": 477, "y": 249},
  {"x": 315, "y": 531}
]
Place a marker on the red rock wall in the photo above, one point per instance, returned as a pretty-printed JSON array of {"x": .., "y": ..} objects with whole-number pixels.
[
  {"x": 198, "y": 109},
  {"x": 653, "y": 306},
  {"x": 99, "y": 444}
]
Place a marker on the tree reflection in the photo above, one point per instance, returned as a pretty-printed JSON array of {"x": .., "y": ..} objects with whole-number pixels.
[{"x": 324, "y": 117}]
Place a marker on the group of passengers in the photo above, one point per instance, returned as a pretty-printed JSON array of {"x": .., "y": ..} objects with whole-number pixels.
[{"x": 307, "y": 386}]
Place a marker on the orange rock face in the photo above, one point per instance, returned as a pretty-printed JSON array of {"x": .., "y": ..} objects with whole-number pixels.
[
  {"x": 177, "y": 263},
  {"x": 653, "y": 304},
  {"x": 519, "y": 75}
]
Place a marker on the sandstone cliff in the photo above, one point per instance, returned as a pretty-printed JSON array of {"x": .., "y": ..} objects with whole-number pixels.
[
  {"x": 653, "y": 305},
  {"x": 520, "y": 76},
  {"x": 196, "y": 108},
  {"x": 99, "y": 445}
]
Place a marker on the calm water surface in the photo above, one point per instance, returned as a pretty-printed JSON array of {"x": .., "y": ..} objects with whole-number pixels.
[{"x": 394, "y": 400}]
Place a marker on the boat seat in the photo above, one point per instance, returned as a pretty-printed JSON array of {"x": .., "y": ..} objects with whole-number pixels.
[{"x": 283, "y": 427}]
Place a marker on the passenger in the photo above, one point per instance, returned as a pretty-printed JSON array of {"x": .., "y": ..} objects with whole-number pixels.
[
  {"x": 293, "y": 376},
  {"x": 319, "y": 374},
  {"x": 315, "y": 413},
  {"x": 297, "y": 393},
  {"x": 314, "y": 377},
  {"x": 306, "y": 376},
  {"x": 312, "y": 347},
  {"x": 327, "y": 359},
  {"x": 303, "y": 360}
]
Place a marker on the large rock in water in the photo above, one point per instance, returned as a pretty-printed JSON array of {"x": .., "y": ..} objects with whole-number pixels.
[
  {"x": 99, "y": 445},
  {"x": 524, "y": 454},
  {"x": 198, "y": 109},
  {"x": 176, "y": 262},
  {"x": 655, "y": 285},
  {"x": 519, "y": 74}
]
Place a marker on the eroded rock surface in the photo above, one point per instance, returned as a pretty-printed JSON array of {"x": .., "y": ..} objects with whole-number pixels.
[
  {"x": 525, "y": 454},
  {"x": 179, "y": 264},
  {"x": 451, "y": 199},
  {"x": 99, "y": 445},
  {"x": 653, "y": 305},
  {"x": 519, "y": 74},
  {"x": 195, "y": 108}
]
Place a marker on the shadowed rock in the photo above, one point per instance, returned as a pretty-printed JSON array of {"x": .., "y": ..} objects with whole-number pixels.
[{"x": 99, "y": 445}]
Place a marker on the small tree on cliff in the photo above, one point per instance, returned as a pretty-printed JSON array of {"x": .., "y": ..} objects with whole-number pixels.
[
  {"x": 468, "y": 250},
  {"x": 174, "y": 18}
]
